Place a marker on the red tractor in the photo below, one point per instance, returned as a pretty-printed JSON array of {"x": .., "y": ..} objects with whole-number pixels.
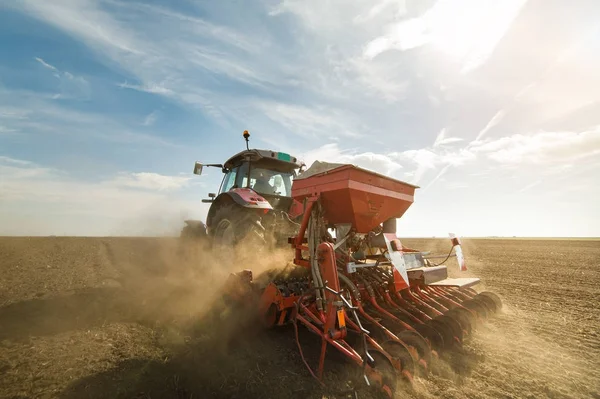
[{"x": 255, "y": 199}]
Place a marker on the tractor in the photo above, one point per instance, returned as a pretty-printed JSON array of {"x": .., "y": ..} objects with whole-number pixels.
[
  {"x": 385, "y": 307},
  {"x": 254, "y": 200}
]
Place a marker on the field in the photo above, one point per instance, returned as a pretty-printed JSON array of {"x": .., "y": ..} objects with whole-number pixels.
[{"x": 134, "y": 318}]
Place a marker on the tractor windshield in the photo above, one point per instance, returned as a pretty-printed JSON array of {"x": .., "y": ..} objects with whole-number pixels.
[
  {"x": 264, "y": 179},
  {"x": 270, "y": 182}
]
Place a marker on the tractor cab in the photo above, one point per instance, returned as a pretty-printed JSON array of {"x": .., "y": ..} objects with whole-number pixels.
[{"x": 268, "y": 173}]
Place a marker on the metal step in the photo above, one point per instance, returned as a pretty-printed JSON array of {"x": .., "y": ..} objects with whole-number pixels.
[
  {"x": 463, "y": 282},
  {"x": 428, "y": 275}
]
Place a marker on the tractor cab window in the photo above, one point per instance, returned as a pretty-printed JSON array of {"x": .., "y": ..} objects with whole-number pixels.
[
  {"x": 271, "y": 182},
  {"x": 229, "y": 180},
  {"x": 262, "y": 180},
  {"x": 235, "y": 178}
]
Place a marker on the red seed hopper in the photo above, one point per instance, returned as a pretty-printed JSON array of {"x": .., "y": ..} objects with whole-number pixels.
[{"x": 350, "y": 194}]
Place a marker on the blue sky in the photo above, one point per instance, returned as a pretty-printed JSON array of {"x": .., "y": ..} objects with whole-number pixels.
[{"x": 492, "y": 108}]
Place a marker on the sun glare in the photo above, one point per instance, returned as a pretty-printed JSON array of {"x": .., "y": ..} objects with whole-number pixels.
[
  {"x": 470, "y": 29},
  {"x": 466, "y": 30}
]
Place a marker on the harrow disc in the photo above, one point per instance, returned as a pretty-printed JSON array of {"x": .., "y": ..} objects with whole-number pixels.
[
  {"x": 432, "y": 335},
  {"x": 415, "y": 341},
  {"x": 477, "y": 305},
  {"x": 401, "y": 352},
  {"x": 490, "y": 297},
  {"x": 450, "y": 330},
  {"x": 388, "y": 373},
  {"x": 465, "y": 318}
]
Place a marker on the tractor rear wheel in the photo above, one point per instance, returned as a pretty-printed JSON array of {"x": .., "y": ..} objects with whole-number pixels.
[
  {"x": 193, "y": 230},
  {"x": 233, "y": 224}
]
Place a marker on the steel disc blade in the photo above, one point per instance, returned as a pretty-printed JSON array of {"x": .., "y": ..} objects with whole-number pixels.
[
  {"x": 436, "y": 340},
  {"x": 493, "y": 297},
  {"x": 401, "y": 352},
  {"x": 453, "y": 324},
  {"x": 415, "y": 340},
  {"x": 488, "y": 302},
  {"x": 477, "y": 306},
  {"x": 447, "y": 329},
  {"x": 465, "y": 318},
  {"x": 388, "y": 373}
]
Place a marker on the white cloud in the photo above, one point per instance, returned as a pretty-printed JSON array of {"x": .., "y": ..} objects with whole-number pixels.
[
  {"x": 45, "y": 64},
  {"x": 14, "y": 170},
  {"x": 40, "y": 200},
  {"x": 71, "y": 86},
  {"x": 397, "y": 6},
  {"x": 11, "y": 112},
  {"x": 544, "y": 148},
  {"x": 530, "y": 186},
  {"x": 496, "y": 119},
  {"x": 150, "y": 181},
  {"x": 32, "y": 113},
  {"x": 150, "y": 119},
  {"x": 313, "y": 122},
  {"x": 541, "y": 148},
  {"x": 8, "y": 160},
  {"x": 147, "y": 88},
  {"x": 380, "y": 163},
  {"x": 441, "y": 139}
]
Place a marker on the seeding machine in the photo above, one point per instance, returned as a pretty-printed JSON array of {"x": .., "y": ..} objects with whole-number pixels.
[{"x": 387, "y": 308}]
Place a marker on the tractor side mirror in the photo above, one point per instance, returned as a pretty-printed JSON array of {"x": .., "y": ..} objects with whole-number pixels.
[
  {"x": 212, "y": 195},
  {"x": 198, "y": 168}
]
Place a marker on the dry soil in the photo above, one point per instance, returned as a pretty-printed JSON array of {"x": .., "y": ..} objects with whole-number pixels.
[{"x": 137, "y": 318}]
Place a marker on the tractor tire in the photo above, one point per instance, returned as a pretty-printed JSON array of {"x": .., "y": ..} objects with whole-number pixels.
[
  {"x": 193, "y": 230},
  {"x": 232, "y": 225}
]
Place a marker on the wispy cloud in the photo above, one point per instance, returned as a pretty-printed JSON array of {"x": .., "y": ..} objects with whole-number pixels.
[
  {"x": 8, "y": 160},
  {"x": 381, "y": 163},
  {"x": 45, "y": 64},
  {"x": 312, "y": 122},
  {"x": 530, "y": 186},
  {"x": 150, "y": 118},
  {"x": 542, "y": 148},
  {"x": 152, "y": 88},
  {"x": 441, "y": 139},
  {"x": 150, "y": 181},
  {"x": 496, "y": 119},
  {"x": 35, "y": 114},
  {"x": 71, "y": 86}
]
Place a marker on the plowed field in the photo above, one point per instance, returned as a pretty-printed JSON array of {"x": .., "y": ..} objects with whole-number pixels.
[{"x": 134, "y": 318}]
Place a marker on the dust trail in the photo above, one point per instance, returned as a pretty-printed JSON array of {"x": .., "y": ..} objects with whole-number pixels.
[
  {"x": 178, "y": 281},
  {"x": 506, "y": 358}
]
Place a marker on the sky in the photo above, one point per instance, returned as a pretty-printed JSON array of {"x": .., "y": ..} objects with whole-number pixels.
[{"x": 491, "y": 108}]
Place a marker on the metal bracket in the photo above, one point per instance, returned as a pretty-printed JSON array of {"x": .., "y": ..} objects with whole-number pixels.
[
  {"x": 340, "y": 242},
  {"x": 352, "y": 267}
]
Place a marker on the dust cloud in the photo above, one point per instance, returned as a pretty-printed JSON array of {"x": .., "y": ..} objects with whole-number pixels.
[{"x": 504, "y": 357}]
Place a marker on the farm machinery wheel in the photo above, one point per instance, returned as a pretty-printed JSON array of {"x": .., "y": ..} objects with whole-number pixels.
[
  {"x": 233, "y": 225},
  {"x": 193, "y": 230}
]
